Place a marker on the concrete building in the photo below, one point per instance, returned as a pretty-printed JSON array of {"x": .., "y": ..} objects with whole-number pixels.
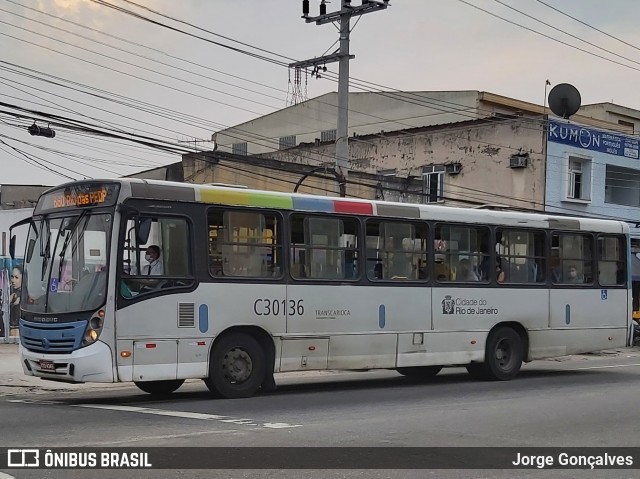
[{"x": 379, "y": 112}]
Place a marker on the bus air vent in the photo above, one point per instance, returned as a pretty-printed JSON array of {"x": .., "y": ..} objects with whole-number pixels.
[{"x": 186, "y": 315}]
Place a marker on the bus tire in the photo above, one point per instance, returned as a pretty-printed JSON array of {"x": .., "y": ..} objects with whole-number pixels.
[
  {"x": 503, "y": 357},
  {"x": 420, "y": 372},
  {"x": 159, "y": 388},
  {"x": 236, "y": 367}
]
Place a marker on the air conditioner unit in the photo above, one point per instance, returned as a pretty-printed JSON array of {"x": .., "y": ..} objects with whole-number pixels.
[
  {"x": 518, "y": 161},
  {"x": 453, "y": 168}
]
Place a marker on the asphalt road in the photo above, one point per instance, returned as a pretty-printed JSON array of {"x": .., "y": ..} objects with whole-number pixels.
[{"x": 577, "y": 402}]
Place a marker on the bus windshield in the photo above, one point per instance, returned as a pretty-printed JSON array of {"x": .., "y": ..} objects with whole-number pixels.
[{"x": 65, "y": 267}]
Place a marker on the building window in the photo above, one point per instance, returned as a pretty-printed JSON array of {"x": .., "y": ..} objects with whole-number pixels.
[
  {"x": 239, "y": 148},
  {"x": 328, "y": 135},
  {"x": 622, "y": 186},
  {"x": 630, "y": 124},
  {"x": 579, "y": 179},
  {"x": 287, "y": 142},
  {"x": 433, "y": 183}
]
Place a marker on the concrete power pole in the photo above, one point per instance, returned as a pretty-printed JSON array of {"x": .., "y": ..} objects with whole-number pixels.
[{"x": 344, "y": 18}]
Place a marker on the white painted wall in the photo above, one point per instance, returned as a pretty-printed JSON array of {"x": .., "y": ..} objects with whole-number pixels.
[
  {"x": 7, "y": 218},
  {"x": 369, "y": 113}
]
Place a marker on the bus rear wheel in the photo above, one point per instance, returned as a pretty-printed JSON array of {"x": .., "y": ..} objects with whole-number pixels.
[
  {"x": 420, "y": 372},
  {"x": 503, "y": 357},
  {"x": 236, "y": 367},
  {"x": 159, "y": 388}
]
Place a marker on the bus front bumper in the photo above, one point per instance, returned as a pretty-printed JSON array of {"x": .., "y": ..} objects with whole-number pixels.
[{"x": 90, "y": 364}]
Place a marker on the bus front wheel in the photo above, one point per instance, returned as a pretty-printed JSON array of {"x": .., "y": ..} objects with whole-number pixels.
[
  {"x": 503, "y": 357},
  {"x": 236, "y": 367},
  {"x": 159, "y": 388},
  {"x": 420, "y": 372}
]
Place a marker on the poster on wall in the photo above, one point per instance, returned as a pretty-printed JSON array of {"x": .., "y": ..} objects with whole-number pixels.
[{"x": 10, "y": 291}]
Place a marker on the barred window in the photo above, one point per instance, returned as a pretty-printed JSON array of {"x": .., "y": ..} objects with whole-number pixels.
[
  {"x": 328, "y": 135},
  {"x": 239, "y": 148},
  {"x": 287, "y": 142}
]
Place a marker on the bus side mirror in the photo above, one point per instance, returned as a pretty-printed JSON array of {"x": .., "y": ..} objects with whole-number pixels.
[
  {"x": 12, "y": 247},
  {"x": 143, "y": 230}
]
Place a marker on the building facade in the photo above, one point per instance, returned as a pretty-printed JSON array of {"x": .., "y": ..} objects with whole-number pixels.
[{"x": 593, "y": 172}]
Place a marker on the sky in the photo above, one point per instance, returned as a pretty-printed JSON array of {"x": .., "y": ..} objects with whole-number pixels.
[{"x": 170, "y": 86}]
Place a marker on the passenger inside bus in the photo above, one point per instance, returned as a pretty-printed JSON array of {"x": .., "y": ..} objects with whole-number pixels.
[
  {"x": 501, "y": 275},
  {"x": 464, "y": 271},
  {"x": 573, "y": 276}
]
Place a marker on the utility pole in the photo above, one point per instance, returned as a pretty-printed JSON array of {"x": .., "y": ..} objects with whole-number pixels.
[{"x": 342, "y": 57}]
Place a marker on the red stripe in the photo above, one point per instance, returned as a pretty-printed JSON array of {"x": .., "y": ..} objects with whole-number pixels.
[
  {"x": 202, "y": 343},
  {"x": 353, "y": 207},
  {"x": 150, "y": 345}
]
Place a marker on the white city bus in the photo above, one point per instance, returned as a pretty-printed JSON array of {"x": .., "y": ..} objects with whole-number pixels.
[{"x": 255, "y": 282}]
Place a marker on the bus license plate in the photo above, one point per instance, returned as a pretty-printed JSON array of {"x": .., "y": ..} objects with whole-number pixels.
[{"x": 47, "y": 365}]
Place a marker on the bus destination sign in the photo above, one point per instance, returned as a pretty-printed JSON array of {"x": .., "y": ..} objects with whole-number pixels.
[
  {"x": 80, "y": 199},
  {"x": 80, "y": 196}
]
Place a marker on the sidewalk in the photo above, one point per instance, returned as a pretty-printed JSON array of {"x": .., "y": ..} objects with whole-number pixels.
[{"x": 14, "y": 381}]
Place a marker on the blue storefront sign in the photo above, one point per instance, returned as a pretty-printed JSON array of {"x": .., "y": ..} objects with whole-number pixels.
[{"x": 594, "y": 140}]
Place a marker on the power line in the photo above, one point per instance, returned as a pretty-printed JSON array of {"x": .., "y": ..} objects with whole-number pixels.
[
  {"x": 548, "y": 36},
  {"x": 587, "y": 25},
  {"x": 565, "y": 32}
]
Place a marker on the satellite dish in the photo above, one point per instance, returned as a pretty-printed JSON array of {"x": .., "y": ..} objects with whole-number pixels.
[{"x": 564, "y": 100}]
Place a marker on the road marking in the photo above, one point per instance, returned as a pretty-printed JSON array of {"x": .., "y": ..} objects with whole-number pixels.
[
  {"x": 605, "y": 367},
  {"x": 6, "y": 476},
  {"x": 34, "y": 401},
  {"x": 191, "y": 415}
]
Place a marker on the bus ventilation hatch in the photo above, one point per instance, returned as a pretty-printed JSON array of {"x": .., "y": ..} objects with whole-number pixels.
[{"x": 186, "y": 315}]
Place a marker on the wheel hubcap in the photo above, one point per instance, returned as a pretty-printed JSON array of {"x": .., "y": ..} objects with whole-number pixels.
[
  {"x": 237, "y": 365},
  {"x": 503, "y": 354}
]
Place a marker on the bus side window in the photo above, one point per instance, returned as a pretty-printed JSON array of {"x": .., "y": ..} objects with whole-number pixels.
[
  {"x": 611, "y": 263},
  {"x": 244, "y": 243},
  {"x": 397, "y": 251},
  {"x": 324, "y": 247},
  {"x": 521, "y": 254},
  {"x": 460, "y": 251},
  {"x": 172, "y": 268},
  {"x": 574, "y": 252}
]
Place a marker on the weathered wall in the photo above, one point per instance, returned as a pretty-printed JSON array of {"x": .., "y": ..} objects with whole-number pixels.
[{"x": 482, "y": 148}]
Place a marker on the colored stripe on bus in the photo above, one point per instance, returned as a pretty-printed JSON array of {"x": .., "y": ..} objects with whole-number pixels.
[
  {"x": 400, "y": 211},
  {"x": 271, "y": 201},
  {"x": 353, "y": 207},
  {"x": 224, "y": 197},
  {"x": 323, "y": 205}
]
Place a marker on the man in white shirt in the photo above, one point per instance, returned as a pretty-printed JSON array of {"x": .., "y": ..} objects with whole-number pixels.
[{"x": 155, "y": 266}]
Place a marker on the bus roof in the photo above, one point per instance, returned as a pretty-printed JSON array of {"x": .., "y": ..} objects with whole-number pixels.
[{"x": 233, "y": 196}]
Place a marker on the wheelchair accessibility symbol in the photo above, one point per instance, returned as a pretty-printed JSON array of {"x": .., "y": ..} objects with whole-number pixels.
[{"x": 603, "y": 294}]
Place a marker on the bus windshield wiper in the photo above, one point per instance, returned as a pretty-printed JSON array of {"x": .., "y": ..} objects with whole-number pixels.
[
  {"x": 45, "y": 252},
  {"x": 67, "y": 240}
]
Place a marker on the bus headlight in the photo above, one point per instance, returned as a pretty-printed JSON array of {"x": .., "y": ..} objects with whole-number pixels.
[{"x": 92, "y": 333}]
